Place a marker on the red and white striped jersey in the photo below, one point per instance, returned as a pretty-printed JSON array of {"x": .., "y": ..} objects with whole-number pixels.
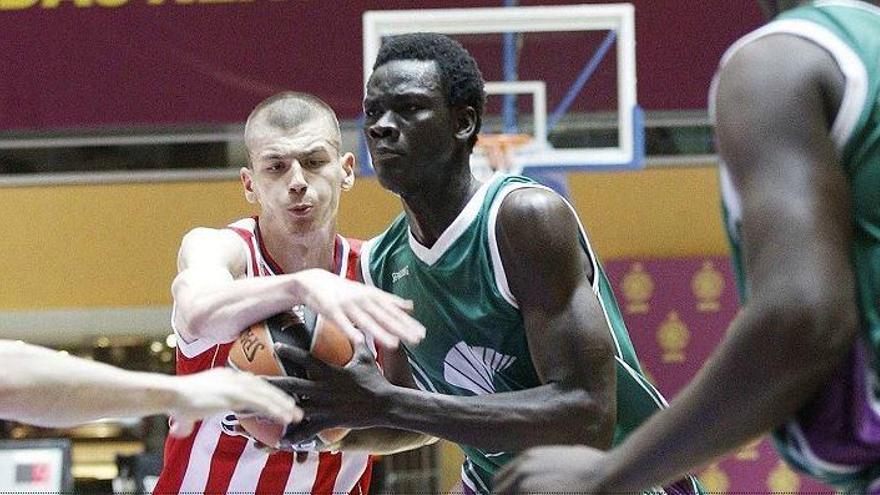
[{"x": 213, "y": 461}]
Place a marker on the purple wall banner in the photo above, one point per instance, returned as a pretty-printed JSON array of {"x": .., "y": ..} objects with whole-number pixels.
[
  {"x": 78, "y": 64},
  {"x": 677, "y": 311}
]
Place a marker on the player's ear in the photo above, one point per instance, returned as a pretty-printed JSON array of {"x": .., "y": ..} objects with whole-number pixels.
[
  {"x": 247, "y": 182},
  {"x": 466, "y": 122},
  {"x": 348, "y": 162}
]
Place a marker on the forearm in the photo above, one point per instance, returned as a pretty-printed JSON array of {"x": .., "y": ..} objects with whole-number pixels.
[
  {"x": 383, "y": 441},
  {"x": 504, "y": 421},
  {"x": 45, "y": 388},
  {"x": 745, "y": 389},
  {"x": 221, "y": 309}
]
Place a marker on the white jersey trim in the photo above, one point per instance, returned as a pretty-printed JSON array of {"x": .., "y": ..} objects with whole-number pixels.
[
  {"x": 808, "y": 457},
  {"x": 856, "y": 91},
  {"x": 366, "y": 251},
  {"x": 458, "y": 226},
  {"x": 494, "y": 251},
  {"x": 189, "y": 349},
  {"x": 731, "y": 200}
]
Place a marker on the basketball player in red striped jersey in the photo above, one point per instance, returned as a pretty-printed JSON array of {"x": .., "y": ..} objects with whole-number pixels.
[{"x": 256, "y": 267}]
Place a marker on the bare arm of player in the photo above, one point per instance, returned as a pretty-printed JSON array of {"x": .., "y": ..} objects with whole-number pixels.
[
  {"x": 212, "y": 300},
  {"x": 45, "y": 388},
  {"x": 775, "y": 102},
  {"x": 568, "y": 337}
]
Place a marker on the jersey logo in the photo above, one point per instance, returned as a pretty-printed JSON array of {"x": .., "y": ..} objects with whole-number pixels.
[
  {"x": 403, "y": 272},
  {"x": 474, "y": 368}
]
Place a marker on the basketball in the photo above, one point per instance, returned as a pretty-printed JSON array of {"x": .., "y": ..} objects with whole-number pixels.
[{"x": 254, "y": 351}]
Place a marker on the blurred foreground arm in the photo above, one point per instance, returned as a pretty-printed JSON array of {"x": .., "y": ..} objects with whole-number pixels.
[
  {"x": 46, "y": 388},
  {"x": 775, "y": 103}
]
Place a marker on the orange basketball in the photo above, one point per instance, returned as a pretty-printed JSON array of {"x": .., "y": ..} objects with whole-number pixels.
[{"x": 254, "y": 351}]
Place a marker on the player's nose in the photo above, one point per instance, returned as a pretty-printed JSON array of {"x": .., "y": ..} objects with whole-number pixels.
[{"x": 384, "y": 128}]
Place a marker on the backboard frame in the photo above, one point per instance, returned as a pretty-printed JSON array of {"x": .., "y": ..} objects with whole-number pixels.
[{"x": 619, "y": 18}]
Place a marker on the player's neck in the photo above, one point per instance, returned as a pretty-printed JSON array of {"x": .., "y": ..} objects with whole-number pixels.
[
  {"x": 296, "y": 251},
  {"x": 432, "y": 210}
]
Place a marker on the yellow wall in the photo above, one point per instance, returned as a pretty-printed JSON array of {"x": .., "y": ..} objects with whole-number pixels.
[{"x": 115, "y": 245}]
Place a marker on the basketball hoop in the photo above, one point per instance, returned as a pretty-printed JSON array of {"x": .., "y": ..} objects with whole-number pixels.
[{"x": 499, "y": 150}]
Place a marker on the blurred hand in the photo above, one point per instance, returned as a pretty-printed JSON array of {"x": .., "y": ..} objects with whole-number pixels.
[
  {"x": 357, "y": 309},
  {"x": 219, "y": 390},
  {"x": 554, "y": 469}
]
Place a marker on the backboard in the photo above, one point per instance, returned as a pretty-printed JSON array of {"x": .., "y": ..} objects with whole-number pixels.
[{"x": 540, "y": 61}]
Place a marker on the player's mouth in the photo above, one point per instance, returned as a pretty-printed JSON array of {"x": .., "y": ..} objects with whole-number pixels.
[
  {"x": 301, "y": 209},
  {"x": 383, "y": 153}
]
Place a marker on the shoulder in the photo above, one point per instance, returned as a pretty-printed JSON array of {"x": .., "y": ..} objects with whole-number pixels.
[
  {"x": 208, "y": 246},
  {"x": 201, "y": 237},
  {"x": 779, "y": 59},
  {"x": 537, "y": 228},
  {"x": 534, "y": 209}
]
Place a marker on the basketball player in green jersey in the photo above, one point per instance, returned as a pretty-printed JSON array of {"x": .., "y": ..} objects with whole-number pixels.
[
  {"x": 524, "y": 344},
  {"x": 798, "y": 126}
]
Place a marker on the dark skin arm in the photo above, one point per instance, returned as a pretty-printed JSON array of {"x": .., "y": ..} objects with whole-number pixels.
[
  {"x": 568, "y": 337},
  {"x": 773, "y": 128},
  {"x": 385, "y": 441}
]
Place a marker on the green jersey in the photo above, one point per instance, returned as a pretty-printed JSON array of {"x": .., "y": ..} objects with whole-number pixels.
[
  {"x": 850, "y": 32},
  {"x": 476, "y": 340}
]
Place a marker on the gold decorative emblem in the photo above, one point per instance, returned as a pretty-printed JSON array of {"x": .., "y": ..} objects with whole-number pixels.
[
  {"x": 782, "y": 479},
  {"x": 715, "y": 480},
  {"x": 638, "y": 287},
  {"x": 707, "y": 285},
  {"x": 749, "y": 451},
  {"x": 673, "y": 337}
]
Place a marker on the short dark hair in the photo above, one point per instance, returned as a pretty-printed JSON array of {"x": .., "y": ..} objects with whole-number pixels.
[
  {"x": 290, "y": 109},
  {"x": 459, "y": 74}
]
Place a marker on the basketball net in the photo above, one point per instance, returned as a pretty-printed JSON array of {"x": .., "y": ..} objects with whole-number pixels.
[{"x": 500, "y": 151}]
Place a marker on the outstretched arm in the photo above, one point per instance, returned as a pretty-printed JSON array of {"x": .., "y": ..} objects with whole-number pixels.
[
  {"x": 45, "y": 388},
  {"x": 773, "y": 125},
  {"x": 568, "y": 337},
  {"x": 213, "y": 301}
]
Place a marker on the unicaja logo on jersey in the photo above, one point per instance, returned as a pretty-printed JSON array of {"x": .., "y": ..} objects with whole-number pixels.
[
  {"x": 474, "y": 368},
  {"x": 403, "y": 272}
]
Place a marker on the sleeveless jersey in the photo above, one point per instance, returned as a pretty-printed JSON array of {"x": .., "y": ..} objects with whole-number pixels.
[
  {"x": 476, "y": 339},
  {"x": 836, "y": 438},
  {"x": 214, "y": 459}
]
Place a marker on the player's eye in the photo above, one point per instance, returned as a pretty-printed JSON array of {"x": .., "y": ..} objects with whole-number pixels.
[{"x": 314, "y": 162}]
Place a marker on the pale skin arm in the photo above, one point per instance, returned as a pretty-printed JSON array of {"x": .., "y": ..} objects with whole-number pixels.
[
  {"x": 568, "y": 337},
  {"x": 773, "y": 127},
  {"x": 212, "y": 300},
  {"x": 46, "y": 388}
]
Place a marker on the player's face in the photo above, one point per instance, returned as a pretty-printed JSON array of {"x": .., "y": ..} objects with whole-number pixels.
[
  {"x": 297, "y": 175},
  {"x": 409, "y": 126}
]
